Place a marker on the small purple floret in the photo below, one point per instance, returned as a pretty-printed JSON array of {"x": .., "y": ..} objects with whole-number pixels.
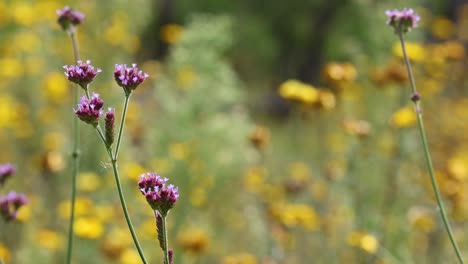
[
  {"x": 90, "y": 110},
  {"x": 6, "y": 170},
  {"x": 10, "y": 204},
  {"x": 81, "y": 74},
  {"x": 159, "y": 196},
  {"x": 404, "y": 20},
  {"x": 128, "y": 78},
  {"x": 68, "y": 17}
]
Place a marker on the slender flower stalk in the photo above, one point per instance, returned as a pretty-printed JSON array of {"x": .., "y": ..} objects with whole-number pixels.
[
  {"x": 90, "y": 110},
  {"x": 161, "y": 198},
  {"x": 402, "y": 22},
  {"x": 68, "y": 19}
]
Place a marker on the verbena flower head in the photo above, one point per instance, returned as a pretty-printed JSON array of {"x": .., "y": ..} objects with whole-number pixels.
[
  {"x": 404, "y": 20},
  {"x": 109, "y": 126},
  {"x": 10, "y": 203},
  {"x": 81, "y": 74},
  {"x": 90, "y": 110},
  {"x": 159, "y": 196},
  {"x": 6, "y": 170},
  {"x": 128, "y": 78},
  {"x": 68, "y": 18}
]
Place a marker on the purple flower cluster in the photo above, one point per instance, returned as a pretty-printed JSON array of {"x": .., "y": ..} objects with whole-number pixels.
[
  {"x": 81, "y": 74},
  {"x": 90, "y": 110},
  {"x": 404, "y": 20},
  {"x": 68, "y": 17},
  {"x": 128, "y": 78},
  {"x": 6, "y": 170},
  {"x": 10, "y": 203},
  {"x": 159, "y": 196}
]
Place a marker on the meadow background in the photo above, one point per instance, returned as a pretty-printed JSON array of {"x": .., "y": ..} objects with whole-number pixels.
[{"x": 287, "y": 126}]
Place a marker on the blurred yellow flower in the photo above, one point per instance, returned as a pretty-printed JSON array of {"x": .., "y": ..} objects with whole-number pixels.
[
  {"x": 171, "y": 33},
  {"x": 179, "y": 151},
  {"x": 52, "y": 161},
  {"x": 360, "y": 128},
  {"x": 296, "y": 215},
  {"x": 116, "y": 241},
  {"x": 49, "y": 239},
  {"x": 8, "y": 111},
  {"x": 163, "y": 166},
  {"x": 198, "y": 196},
  {"x": 363, "y": 240},
  {"x": 47, "y": 9},
  {"x": 327, "y": 99},
  {"x": 335, "y": 72},
  {"x": 455, "y": 50},
  {"x": 254, "y": 178},
  {"x": 105, "y": 213},
  {"x": 404, "y": 117},
  {"x": 133, "y": 170},
  {"x": 415, "y": 51},
  {"x": 88, "y": 182},
  {"x": 260, "y": 137},
  {"x": 53, "y": 140},
  {"x": 5, "y": 253},
  {"x": 421, "y": 218},
  {"x": 457, "y": 166},
  {"x": 23, "y": 13},
  {"x": 298, "y": 91},
  {"x": 443, "y": 28},
  {"x": 147, "y": 229},
  {"x": 186, "y": 78},
  {"x": 242, "y": 258},
  {"x": 4, "y": 15},
  {"x": 83, "y": 206},
  {"x": 25, "y": 42},
  {"x": 130, "y": 256},
  {"x": 56, "y": 87},
  {"x": 11, "y": 67},
  {"x": 118, "y": 29},
  {"x": 193, "y": 240},
  {"x": 24, "y": 213},
  {"x": 88, "y": 227}
]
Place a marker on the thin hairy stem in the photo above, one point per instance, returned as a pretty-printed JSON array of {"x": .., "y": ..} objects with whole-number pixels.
[
  {"x": 427, "y": 154},
  {"x": 75, "y": 158},
  {"x": 122, "y": 124}
]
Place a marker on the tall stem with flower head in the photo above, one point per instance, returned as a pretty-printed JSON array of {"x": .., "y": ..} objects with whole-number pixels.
[
  {"x": 68, "y": 19},
  {"x": 403, "y": 21},
  {"x": 90, "y": 110}
]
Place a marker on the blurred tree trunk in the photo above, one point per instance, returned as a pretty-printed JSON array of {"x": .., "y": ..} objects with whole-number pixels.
[
  {"x": 309, "y": 69},
  {"x": 153, "y": 46}
]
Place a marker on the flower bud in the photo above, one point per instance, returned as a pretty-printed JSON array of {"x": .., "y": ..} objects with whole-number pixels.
[
  {"x": 68, "y": 18},
  {"x": 109, "y": 126}
]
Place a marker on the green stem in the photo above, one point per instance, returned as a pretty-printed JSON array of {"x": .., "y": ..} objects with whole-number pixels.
[
  {"x": 117, "y": 180},
  {"x": 164, "y": 236},
  {"x": 75, "y": 159},
  {"x": 122, "y": 123},
  {"x": 427, "y": 154},
  {"x": 124, "y": 208}
]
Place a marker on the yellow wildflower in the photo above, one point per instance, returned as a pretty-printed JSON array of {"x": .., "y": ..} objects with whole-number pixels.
[
  {"x": 88, "y": 227},
  {"x": 82, "y": 207},
  {"x": 56, "y": 87},
  {"x": 49, "y": 239},
  {"x": 298, "y": 91},
  {"x": 130, "y": 256},
  {"x": 5, "y": 253},
  {"x": 443, "y": 28},
  {"x": 363, "y": 240},
  {"x": 404, "y": 117},
  {"x": 24, "y": 213},
  {"x": 23, "y": 13},
  {"x": 415, "y": 51},
  {"x": 11, "y": 67},
  {"x": 116, "y": 241},
  {"x": 179, "y": 151},
  {"x": 133, "y": 170},
  {"x": 421, "y": 218},
  {"x": 186, "y": 78},
  {"x": 171, "y": 33},
  {"x": 243, "y": 258},
  {"x": 88, "y": 182},
  {"x": 297, "y": 215},
  {"x": 458, "y": 166},
  {"x": 254, "y": 178},
  {"x": 198, "y": 196},
  {"x": 53, "y": 140},
  {"x": 193, "y": 240},
  {"x": 163, "y": 166}
]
